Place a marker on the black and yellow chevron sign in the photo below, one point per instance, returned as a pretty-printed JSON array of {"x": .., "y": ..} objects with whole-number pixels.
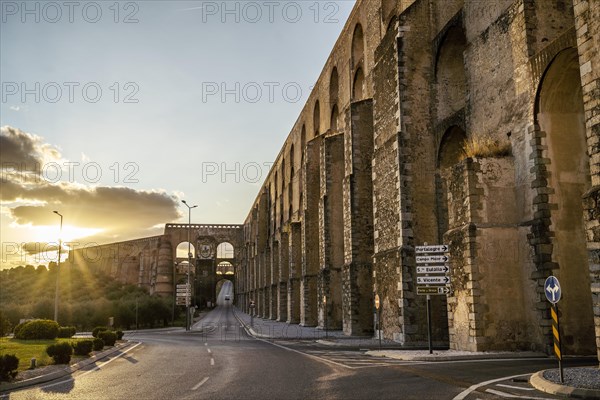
[{"x": 556, "y": 332}]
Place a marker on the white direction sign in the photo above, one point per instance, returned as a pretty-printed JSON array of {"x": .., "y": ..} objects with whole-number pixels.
[
  {"x": 432, "y": 259},
  {"x": 438, "y": 248},
  {"x": 432, "y": 280},
  {"x": 183, "y": 286},
  {"x": 436, "y": 269}
]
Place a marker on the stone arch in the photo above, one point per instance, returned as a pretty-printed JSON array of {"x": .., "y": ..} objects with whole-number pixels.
[
  {"x": 450, "y": 74},
  {"x": 559, "y": 112},
  {"x": 452, "y": 147},
  {"x": 450, "y": 151},
  {"x": 358, "y": 85},
  {"x": 333, "y": 124},
  {"x": 317, "y": 119},
  {"x": 291, "y": 183},
  {"x": 334, "y": 86},
  {"x": 225, "y": 250},
  {"x": 225, "y": 268},
  {"x": 358, "y": 46},
  {"x": 181, "y": 251}
]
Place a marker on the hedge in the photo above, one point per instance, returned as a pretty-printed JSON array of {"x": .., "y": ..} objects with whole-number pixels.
[{"x": 37, "y": 329}]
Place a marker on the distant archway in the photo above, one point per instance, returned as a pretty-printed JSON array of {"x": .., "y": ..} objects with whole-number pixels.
[
  {"x": 182, "y": 250},
  {"x": 225, "y": 250}
]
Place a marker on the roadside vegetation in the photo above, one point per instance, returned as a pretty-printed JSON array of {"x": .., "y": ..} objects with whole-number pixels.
[{"x": 87, "y": 299}]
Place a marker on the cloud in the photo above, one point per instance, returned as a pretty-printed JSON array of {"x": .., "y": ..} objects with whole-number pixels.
[
  {"x": 120, "y": 212},
  {"x": 18, "y": 147}
]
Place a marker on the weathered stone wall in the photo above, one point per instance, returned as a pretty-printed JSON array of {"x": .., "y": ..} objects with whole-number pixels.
[{"x": 439, "y": 75}]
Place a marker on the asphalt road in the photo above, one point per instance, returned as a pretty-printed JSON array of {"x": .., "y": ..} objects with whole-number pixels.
[{"x": 222, "y": 362}]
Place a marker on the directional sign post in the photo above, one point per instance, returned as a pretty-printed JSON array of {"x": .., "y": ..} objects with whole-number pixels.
[
  {"x": 426, "y": 255},
  {"x": 553, "y": 293}
]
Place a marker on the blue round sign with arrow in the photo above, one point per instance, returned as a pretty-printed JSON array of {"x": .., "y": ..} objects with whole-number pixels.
[{"x": 552, "y": 289}]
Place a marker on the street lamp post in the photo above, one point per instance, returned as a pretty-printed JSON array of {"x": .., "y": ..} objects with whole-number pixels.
[
  {"x": 187, "y": 297},
  {"x": 58, "y": 267}
]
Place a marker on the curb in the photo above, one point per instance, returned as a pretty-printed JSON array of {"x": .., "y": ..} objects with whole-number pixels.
[
  {"x": 68, "y": 370},
  {"x": 439, "y": 357},
  {"x": 251, "y": 332},
  {"x": 538, "y": 381}
]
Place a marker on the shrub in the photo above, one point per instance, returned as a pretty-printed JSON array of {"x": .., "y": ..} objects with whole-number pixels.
[
  {"x": 98, "y": 344},
  {"x": 18, "y": 328},
  {"x": 119, "y": 335},
  {"x": 98, "y": 329},
  {"x": 487, "y": 146},
  {"x": 66, "y": 331},
  {"x": 109, "y": 337},
  {"x": 8, "y": 366},
  {"x": 38, "y": 329},
  {"x": 60, "y": 352},
  {"x": 82, "y": 347}
]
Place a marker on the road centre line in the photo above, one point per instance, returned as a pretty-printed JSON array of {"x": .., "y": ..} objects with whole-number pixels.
[
  {"x": 212, "y": 361},
  {"x": 208, "y": 350},
  {"x": 202, "y": 382}
]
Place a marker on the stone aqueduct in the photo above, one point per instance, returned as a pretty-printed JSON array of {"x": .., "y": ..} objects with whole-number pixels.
[{"x": 470, "y": 123}]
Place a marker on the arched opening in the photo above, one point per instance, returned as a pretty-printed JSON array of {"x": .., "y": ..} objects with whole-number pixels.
[
  {"x": 334, "y": 119},
  {"x": 450, "y": 152},
  {"x": 317, "y": 118},
  {"x": 182, "y": 250},
  {"x": 291, "y": 184},
  {"x": 358, "y": 85},
  {"x": 560, "y": 114},
  {"x": 451, "y": 78},
  {"x": 333, "y": 86},
  {"x": 225, "y": 250},
  {"x": 452, "y": 147},
  {"x": 224, "y": 291},
  {"x": 358, "y": 46},
  {"x": 225, "y": 268}
]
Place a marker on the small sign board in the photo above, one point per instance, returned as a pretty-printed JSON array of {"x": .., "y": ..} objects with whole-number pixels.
[
  {"x": 436, "y": 269},
  {"x": 181, "y": 301},
  {"x": 432, "y": 290},
  {"x": 552, "y": 289},
  {"x": 433, "y": 280},
  {"x": 183, "y": 286},
  {"x": 438, "y": 248},
  {"x": 432, "y": 259}
]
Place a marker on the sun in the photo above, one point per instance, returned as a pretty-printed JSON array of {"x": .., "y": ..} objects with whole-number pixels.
[{"x": 69, "y": 233}]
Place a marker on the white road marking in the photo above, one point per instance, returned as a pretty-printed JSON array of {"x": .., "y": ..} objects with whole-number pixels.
[
  {"x": 514, "y": 387},
  {"x": 472, "y": 388},
  {"x": 88, "y": 372},
  {"x": 208, "y": 351},
  {"x": 202, "y": 382},
  {"x": 212, "y": 361},
  {"x": 513, "y": 396},
  {"x": 206, "y": 344}
]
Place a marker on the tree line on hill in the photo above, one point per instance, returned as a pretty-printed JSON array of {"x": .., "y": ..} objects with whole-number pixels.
[{"x": 86, "y": 299}]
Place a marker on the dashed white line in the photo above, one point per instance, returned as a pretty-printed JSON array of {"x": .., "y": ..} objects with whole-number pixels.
[
  {"x": 208, "y": 351},
  {"x": 212, "y": 361},
  {"x": 202, "y": 382}
]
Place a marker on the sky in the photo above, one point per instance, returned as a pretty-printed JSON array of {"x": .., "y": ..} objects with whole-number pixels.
[{"x": 113, "y": 112}]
